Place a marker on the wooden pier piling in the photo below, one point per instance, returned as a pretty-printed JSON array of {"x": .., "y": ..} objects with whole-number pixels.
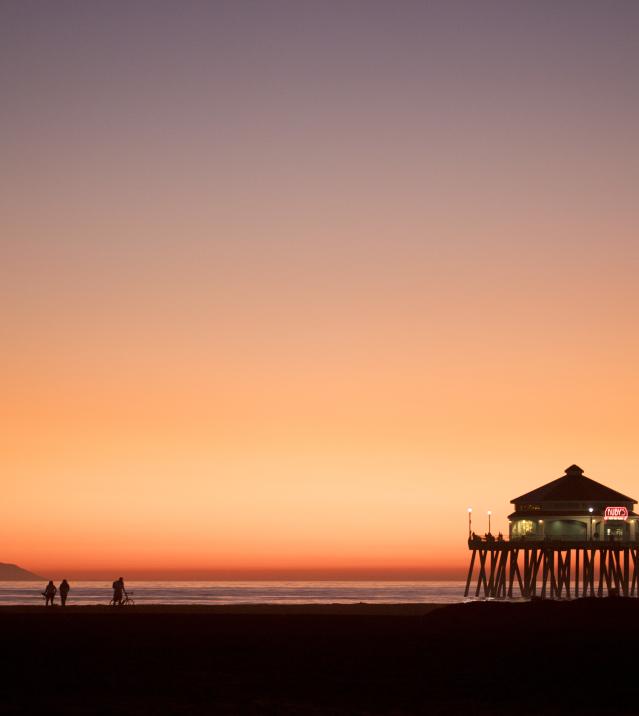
[{"x": 501, "y": 569}]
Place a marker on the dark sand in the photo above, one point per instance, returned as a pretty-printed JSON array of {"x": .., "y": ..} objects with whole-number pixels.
[{"x": 484, "y": 658}]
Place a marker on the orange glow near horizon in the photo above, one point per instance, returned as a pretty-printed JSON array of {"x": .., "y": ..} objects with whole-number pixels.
[{"x": 323, "y": 284}]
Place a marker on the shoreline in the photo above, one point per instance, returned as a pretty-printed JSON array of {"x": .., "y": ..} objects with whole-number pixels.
[
  {"x": 468, "y": 609},
  {"x": 364, "y": 608}
]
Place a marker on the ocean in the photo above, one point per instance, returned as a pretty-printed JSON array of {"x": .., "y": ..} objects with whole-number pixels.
[{"x": 250, "y": 592}]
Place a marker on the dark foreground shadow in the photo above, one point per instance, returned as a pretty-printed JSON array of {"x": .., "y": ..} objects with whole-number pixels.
[{"x": 538, "y": 658}]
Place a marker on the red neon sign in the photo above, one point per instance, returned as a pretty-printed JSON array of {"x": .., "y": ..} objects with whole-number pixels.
[{"x": 616, "y": 513}]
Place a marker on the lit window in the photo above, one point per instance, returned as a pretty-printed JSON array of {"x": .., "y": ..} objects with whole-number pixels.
[{"x": 521, "y": 528}]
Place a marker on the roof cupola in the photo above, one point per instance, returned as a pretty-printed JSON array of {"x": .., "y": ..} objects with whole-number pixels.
[{"x": 574, "y": 470}]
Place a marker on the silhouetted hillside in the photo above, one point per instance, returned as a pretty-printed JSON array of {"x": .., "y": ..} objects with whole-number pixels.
[{"x": 13, "y": 573}]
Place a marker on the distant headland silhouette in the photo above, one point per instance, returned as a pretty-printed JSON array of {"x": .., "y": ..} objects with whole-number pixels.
[{"x": 13, "y": 573}]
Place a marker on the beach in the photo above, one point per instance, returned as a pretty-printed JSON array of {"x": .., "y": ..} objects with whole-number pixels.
[
  {"x": 211, "y": 592},
  {"x": 476, "y": 658}
]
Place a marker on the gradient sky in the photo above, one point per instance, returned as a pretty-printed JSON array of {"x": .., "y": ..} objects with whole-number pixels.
[{"x": 290, "y": 285}]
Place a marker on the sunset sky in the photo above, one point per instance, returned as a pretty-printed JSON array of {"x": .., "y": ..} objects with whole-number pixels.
[{"x": 287, "y": 286}]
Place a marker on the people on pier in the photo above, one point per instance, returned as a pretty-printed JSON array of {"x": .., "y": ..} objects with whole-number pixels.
[
  {"x": 487, "y": 537},
  {"x": 49, "y": 594},
  {"x": 64, "y": 591}
]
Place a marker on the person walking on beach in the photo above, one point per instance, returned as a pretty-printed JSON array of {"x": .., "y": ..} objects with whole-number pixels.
[
  {"x": 64, "y": 591},
  {"x": 118, "y": 592},
  {"x": 49, "y": 594}
]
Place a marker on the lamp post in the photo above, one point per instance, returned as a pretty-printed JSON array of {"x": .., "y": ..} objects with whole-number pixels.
[
  {"x": 591, "y": 509},
  {"x": 489, "y": 514},
  {"x": 470, "y": 512}
]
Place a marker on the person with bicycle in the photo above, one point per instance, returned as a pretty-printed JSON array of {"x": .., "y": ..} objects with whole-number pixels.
[{"x": 118, "y": 592}]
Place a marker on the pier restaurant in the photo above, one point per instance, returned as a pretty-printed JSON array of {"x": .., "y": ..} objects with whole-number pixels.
[{"x": 574, "y": 508}]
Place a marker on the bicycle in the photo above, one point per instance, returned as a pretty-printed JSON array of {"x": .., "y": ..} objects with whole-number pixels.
[{"x": 126, "y": 602}]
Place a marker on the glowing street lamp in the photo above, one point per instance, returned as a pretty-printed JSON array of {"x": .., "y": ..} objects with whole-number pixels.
[
  {"x": 470, "y": 512},
  {"x": 591, "y": 510}
]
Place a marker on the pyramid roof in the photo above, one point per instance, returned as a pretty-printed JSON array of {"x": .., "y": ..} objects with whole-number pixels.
[{"x": 574, "y": 486}]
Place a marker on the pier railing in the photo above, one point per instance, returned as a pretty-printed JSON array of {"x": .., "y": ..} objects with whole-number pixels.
[{"x": 547, "y": 540}]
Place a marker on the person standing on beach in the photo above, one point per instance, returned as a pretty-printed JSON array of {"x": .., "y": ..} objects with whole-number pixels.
[
  {"x": 64, "y": 591},
  {"x": 49, "y": 594},
  {"x": 118, "y": 591}
]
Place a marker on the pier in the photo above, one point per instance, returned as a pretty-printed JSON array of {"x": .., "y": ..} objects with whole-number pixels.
[{"x": 572, "y": 537}]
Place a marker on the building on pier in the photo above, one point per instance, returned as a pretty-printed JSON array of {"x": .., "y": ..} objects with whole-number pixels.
[
  {"x": 568, "y": 538},
  {"x": 574, "y": 507}
]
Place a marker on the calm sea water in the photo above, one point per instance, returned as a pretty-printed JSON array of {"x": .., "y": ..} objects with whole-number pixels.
[{"x": 280, "y": 592}]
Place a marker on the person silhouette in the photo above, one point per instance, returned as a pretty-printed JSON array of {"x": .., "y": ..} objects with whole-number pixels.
[
  {"x": 64, "y": 591},
  {"x": 118, "y": 591},
  {"x": 49, "y": 594}
]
